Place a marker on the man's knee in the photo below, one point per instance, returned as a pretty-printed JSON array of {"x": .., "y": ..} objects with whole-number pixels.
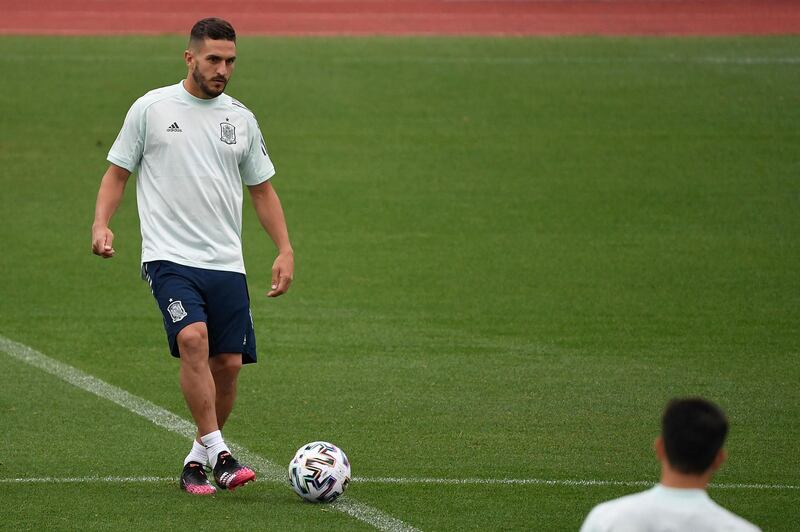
[
  {"x": 226, "y": 366},
  {"x": 193, "y": 341}
]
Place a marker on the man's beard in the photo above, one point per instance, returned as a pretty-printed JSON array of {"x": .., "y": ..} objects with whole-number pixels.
[{"x": 207, "y": 90}]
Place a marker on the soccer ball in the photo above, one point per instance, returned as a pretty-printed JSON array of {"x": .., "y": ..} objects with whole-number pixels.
[{"x": 319, "y": 472}]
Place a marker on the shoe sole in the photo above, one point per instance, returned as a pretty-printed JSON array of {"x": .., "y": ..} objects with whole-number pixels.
[{"x": 193, "y": 489}]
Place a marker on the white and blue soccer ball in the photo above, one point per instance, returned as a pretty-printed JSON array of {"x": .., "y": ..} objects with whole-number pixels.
[{"x": 319, "y": 472}]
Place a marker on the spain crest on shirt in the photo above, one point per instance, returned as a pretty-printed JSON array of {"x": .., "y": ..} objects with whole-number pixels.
[{"x": 227, "y": 133}]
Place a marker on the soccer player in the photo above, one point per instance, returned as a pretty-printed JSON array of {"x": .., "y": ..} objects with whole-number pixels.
[
  {"x": 193, "y": 146},
  {"x": 690, "y": 451}
]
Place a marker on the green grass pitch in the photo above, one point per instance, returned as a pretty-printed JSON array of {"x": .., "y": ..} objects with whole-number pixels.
[{"x": 510, "y": 254}]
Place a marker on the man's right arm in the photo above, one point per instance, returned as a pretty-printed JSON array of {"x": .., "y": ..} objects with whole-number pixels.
[{"x": 109, "y": 197}]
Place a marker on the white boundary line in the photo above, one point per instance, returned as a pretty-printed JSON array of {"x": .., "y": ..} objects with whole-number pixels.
[
  {"x": 409, "y": 480},
  {"x": 166, "y": 419},
  {"x": 555, "y": 482},
  {"x": 87, "y": 480}
]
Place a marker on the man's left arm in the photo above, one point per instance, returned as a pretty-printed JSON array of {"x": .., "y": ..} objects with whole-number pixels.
[{"x": 270, "y": 214}]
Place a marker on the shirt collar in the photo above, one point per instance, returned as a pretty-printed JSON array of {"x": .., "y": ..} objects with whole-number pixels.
[
  {"x": 683, "y": 493},
  {"x": 191, "y": 98}
]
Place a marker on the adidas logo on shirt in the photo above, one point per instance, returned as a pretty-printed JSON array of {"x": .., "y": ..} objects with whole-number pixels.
[{"x": 174, "y": 128}]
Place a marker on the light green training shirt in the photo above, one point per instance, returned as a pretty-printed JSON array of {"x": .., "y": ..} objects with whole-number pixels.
[{"x": 192, "y": 156}]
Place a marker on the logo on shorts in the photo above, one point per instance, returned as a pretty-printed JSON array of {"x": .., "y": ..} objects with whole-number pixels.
[
  {"x": 227, "y": 133},
  {"x": 176, "y": 311}
]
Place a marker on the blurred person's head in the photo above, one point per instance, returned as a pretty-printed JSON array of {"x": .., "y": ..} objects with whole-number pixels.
[
  {"x": 210, "y": 57},
  {"x": 692, "y": 435}
]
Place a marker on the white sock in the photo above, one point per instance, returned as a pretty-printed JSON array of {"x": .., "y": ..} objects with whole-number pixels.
[
  {"x": 197, "y": 454},
  {"x": 214, "y": 445}
]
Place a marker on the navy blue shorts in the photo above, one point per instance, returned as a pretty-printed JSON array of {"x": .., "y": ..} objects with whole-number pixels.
[{"x": 220, "y": 299}]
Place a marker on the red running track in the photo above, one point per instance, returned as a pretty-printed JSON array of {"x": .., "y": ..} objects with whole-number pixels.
[{"x": 406, "y": 17}]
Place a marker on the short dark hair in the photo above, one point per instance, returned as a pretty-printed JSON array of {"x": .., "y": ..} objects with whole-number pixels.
[
  {"x": 212, "y": 28},
  {"x": 693, "y": 431}
]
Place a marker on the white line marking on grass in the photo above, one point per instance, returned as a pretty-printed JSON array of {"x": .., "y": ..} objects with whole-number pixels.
[
  {"x": 553, "y": 482},
  {"x": 736, "y": 486},
  {"x": 166, "y": 419},
  {"x": 86, "y": 480},
  {"x": 501, "y": 481},
  {"x": 407, "y": 480}
]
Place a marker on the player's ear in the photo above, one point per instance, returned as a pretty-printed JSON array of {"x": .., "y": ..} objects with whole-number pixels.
[
  {"x": 658, "y": 446},
  {"x": 188, "y": 57},
  {"x": 722, "y": 455}
]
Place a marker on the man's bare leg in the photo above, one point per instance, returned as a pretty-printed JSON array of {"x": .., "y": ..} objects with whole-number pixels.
[
  {"x": 225, "y": 371},
  {"x": 228, "y": 473},
  {"x": 197, "y": 382}
]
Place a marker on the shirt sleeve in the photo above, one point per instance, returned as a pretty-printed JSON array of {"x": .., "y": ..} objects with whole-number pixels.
[
  {"x": 256, "y": 166},
  {"x": 593, "y": 522},
  {"x": 127, "y": 150}
]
